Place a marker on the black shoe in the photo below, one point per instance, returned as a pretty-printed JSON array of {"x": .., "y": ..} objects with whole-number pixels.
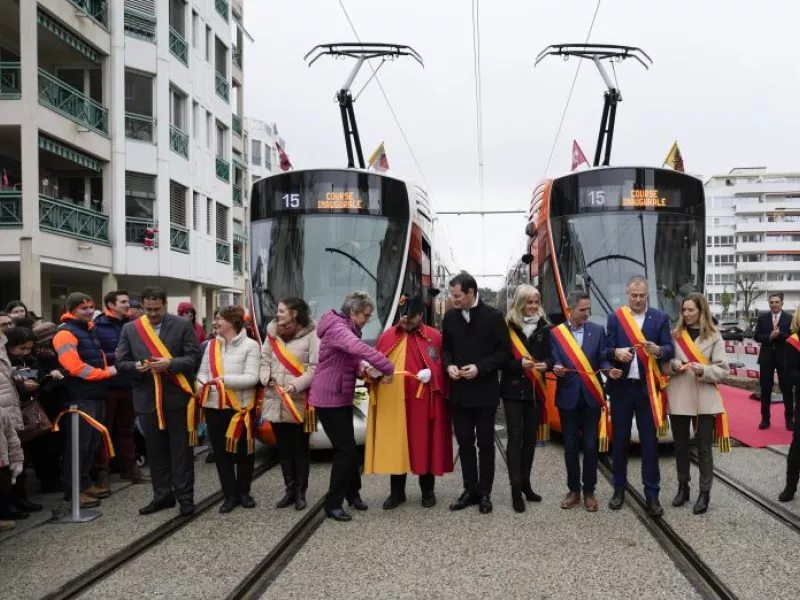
[
  {"x": 485, "y": 505},
  {"x": 187, "y": 508},
  {"x": 157, "y": 505},
  {"x": 516, "y": 499},
  {"x": 617, "y": 500},
  {"x": 300, "y": 500},
  {"x": 210, "y": 458},
  {"x": 701, "y": 505},
  {"x": 227, "y": 506},
  {"x": 428, "y": 500},
  {"x": 13, "y": 515},
  {"x": 247, "y": 501},
  {"x": 530, "y": 495},
  {"x": 25, "y": 505},
  {"x": 464, "y": 500},
  {"x": 654, "y": 507},
  {"x": 357, "y": 503},
  {"x": 763, "y": 425},
  {"x": 338, "y": 514},
  {"x": 787, "y": 495},
  {"x": 287, "y": 500},
  {"x": 393, "y": 501},
  {"x": 682, "y": 497}
]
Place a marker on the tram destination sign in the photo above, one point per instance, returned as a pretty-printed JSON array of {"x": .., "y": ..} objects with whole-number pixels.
[
  {"x": 314, "y": 199},
  {"x": 627, "y": 197}
]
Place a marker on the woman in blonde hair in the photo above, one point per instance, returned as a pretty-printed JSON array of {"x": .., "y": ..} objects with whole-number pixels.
[
  {"x": 792, "y": 366},
  {"x": 699, "y": 364},
  {"x": 530, "y": 341}
]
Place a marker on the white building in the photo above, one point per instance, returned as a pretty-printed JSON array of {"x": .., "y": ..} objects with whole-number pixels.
[
  {"x": 117, "y": 118},
  {"x": 264, "y": 159},
  {"x": 753, "y": 237}
]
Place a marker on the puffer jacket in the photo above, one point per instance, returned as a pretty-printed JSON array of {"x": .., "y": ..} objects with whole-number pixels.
[
  {"x": 9, "y": 398},
  {"x": 108, "y": 329},
  {"x": 340, "y": 354},
  {"x": 240, "y": 361},
  {"x": 10, "y": 448},
  {"x": 305, "y": 348}
]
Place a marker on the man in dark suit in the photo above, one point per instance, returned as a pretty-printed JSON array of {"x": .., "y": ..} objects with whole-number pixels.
[
  {"x": 475, "y": 345},
  {"x": 580, "y": 397},
  {"x": 771, "y": 332},
  {"x": 159, "y": 350},
  {"x": 629, "y": 393}
]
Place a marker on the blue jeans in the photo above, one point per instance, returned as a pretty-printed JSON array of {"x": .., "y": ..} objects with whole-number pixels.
[{"x": 585, "y": 418}]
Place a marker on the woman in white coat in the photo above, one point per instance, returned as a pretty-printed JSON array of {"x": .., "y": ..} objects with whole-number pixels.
[
  {"x": 699, "y": 364},
  {"x": 229, "y": 371}
]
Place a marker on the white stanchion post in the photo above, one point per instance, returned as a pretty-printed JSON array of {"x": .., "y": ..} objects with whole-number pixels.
[{"x": 76, "y": 515}]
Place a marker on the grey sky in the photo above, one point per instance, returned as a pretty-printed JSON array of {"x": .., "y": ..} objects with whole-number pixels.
[{"x": 724, "y": 83}]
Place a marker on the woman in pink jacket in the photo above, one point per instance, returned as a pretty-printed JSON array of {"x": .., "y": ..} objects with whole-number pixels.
[{"x": 341, "y": 353}]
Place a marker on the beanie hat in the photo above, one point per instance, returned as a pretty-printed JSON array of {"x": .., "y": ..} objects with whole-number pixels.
[
  {"x": 44, "y": 331},
  {"x": 76, "y": 299},
  {"x": 185, "y": 307}
]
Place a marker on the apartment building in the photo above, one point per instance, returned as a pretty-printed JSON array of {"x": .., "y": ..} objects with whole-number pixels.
[{"x": 121, "y": 148}]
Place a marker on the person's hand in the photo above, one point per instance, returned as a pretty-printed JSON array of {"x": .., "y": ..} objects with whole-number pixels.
[
  {"x": 142, "y": 367},
  {"x": 289, "y": 389},
  {"x": 615, "y": 373},
  {"x": 623, "y": 355},
  {"x": 454, "y": 372},
  {"x": 425, "y": 375},
  {"x": 56, "y": 374},
  {"x": 16, "y": 469},
  {"x": 775, "y": 333},
  {"x": 373, "y": 372},
  {"x": 387, "y": 379},
  {"x": 160, "y": 365},
  {"x": 559, "y": 370},
  {"x": 540, "y": 366},
  {"x": 676, "y": 364},
  {"x": 651, "y": 348},
  {"x": 697, "y": 368},
  {"x": 469, "y": 372},
  {"x": 31, "y": 385},
  {"x": 527, "y": 363}
]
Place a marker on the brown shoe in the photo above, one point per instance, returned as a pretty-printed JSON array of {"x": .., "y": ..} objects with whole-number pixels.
[
  {"x": 7, "y": 525},
  {"x": 571, "y": 500},
  {"x": 86, "y": 501},
  {"x": 99, "y": 491},
  {"x": 590, "y": 502}
]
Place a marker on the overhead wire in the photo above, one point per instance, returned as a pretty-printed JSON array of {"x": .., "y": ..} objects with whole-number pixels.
[{"x": 476, "y": 60}]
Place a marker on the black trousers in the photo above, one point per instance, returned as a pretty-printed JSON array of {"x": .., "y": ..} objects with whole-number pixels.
[
  {"x": 294, "y": 452},
  {"x": 398, "y": 484},
  {"x": 235, "y": 470},
  {"x": 705, "y": 443},
  {"x": 89, "y": 441},
  {"x": 522, "y": 424},
  {"x": 5, "y": 492},
  {"x": 471, "y": 425},
  {"x": 766, "y": 378},
  {"x": 345, "y": 475},
  {"x": 171, "y": 458}
]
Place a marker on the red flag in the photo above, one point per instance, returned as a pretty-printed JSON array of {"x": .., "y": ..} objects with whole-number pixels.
[
  {"x": 578, "y": 157},
  {"x": 5, "y": 178},
  {"x": 286, "y": 164}
]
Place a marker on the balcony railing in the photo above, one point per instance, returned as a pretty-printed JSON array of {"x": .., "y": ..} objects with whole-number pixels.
[
  {"x": 65, "y": 218},
  {"x": 236, "y": 124},
  {"x": 236, "y": 54},
  {"x": 140, "y": 25},
  {"x": 10, "y": 208},
  {"x": 178, "y": 141},
  {"x": 237, "y": 195},
  {"x": 135, "y": 228},
  {"x": 97, "y": 10},
  {"x": 179, "y": 238},
  {"x": 223, "y": 169},
  {"x": 223, "y": 87},
  {"x": 140, "y": 127},
  {"x": 222, "y": 8},
  {"x": 223, "y": 252},
  {"x": 178, "y": 46},
  {"x": 10, "y": 82},
  {"x": 71, "y": 103},
  {"x": 238, "y": 263}
]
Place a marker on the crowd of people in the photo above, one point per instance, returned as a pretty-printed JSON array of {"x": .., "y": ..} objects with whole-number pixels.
[{"x": 133, "y": 359}]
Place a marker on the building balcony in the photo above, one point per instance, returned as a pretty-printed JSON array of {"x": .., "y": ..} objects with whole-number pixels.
[
  {"x": 236, "y": 55},
  {"x": 179, "y": 238},
  {"x": 767, "y": 246},
  {"x": 10, "y": 209},
  {"x": 222, "y": 87},
  {"x": 223, "y": 252},
  {"x": 237, "y": 195},
  {"x": 223, "y": 169},
  {"x": 222, "y": 8},
  {"x": 71, "y": 103},
  {"x": 785, "y": 266},
  {"x": 178, "y": 141},
  {"x": 178, "y": 46},
  {"x": 72, "y": 220},
  {"x": 135, "y": 229},
  {"x": 97, "y": 10},
  {"x": 140, "y": 25},
  {"x": 10, "y": 81},
  {"x": 140, "y": 127},
  {"x": 236, "y": 125}
]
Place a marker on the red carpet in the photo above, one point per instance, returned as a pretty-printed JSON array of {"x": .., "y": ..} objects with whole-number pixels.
[{"x": 744, "y": 415}]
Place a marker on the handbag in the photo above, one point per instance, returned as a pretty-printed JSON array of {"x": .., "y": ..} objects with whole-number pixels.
[{"x": 35, "y": 421}]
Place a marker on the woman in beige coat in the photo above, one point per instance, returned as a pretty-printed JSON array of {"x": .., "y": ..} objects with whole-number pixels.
[
  {"x": 295, "y": 331},
  {"x": 692, "y": 393}
]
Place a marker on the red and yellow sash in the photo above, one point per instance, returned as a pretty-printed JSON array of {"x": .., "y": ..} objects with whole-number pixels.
[
  {"x": 575, "y": 354},
  {"x": 109, "y": 447},
  {"x": 519, "y": 351},
  {"x": 296, "y": 369},
  {"x": 157, "y": 348},
  {"x": 692, "y": 352},
  {"x": 228, "y": 398},
  {"x": 794, "y": 341},
  {"x": 656, "y": 382}
]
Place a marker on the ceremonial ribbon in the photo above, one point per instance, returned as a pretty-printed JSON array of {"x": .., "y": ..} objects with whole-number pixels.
[
  {"x": 656, "y": 382},
  {"x": 794, "y": 341},
  {"x": 296, "y": 369},
  {"x": 519, "y": 351},
  {"x": 692, "y": 352},
  {"x": 373, "y": 398},
  {"x": 109, "y": 447},
  {"x": 157, "y": 348}
]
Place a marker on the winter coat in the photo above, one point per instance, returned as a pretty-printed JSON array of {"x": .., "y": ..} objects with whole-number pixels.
[
  {"x": 305, "y": 348},
  {"x": 108, "y": 330},
  {"x": 690, "y": 395},
  {"x": 9, "y": 398},
  {"x": 10, "y": 447},
  {"x": 514, "y": 385},
  {"x": 80, "y": 353},
  {"x": 340, "y": 354},
  {"x": 240, "y": 361}
]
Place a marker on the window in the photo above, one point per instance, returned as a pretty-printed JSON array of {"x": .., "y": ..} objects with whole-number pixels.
[
  {"x": 750, "y": 257},
  {"x": 209, "y": 130},
  {"x": 196, "y": 32},
  {"x": 209, "y": 43},
  {"x": 140, "y": 22},
  {"x": 256, "y": 152},
  {"x": 221, "y": 141},
  {"x": 267, "y": 157},
  {"x": 222, "y": 222},
  {"x": 195, "y": 211},
  {"x": 220, "y": 57},
  {"x": 177, "y": 16},
  {"x": 209, "y": 212},
  {"x": 197, "y": 121},
  {"x": 783, "y": 258},
  {"x": 177, "y": 204},
  {"x": 177, "y": 108},
  {"x": 139, "y": 122},
  {"x": 140, "y": 195}
]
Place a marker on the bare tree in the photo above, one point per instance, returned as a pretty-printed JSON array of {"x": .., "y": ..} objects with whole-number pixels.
[{"x": 749, "y": 290}]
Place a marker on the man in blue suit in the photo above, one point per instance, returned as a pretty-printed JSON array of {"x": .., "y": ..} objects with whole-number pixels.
[
  {"x": 771, "y": 332},
  {"x": 629, "y": 394},
  {"x": 579, "y": 398}
]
